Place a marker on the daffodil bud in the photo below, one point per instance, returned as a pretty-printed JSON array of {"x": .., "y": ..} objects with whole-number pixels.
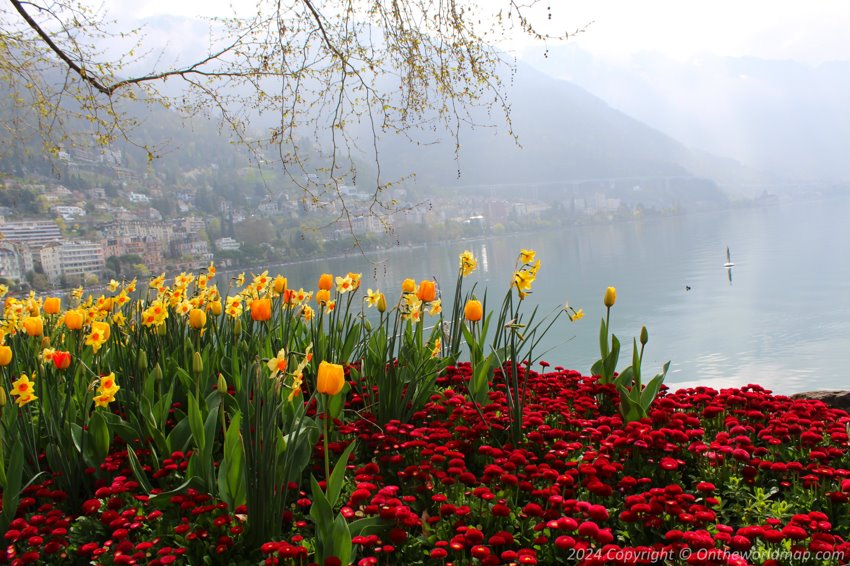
[
  {"x": 237, "y": 328},
  {"x": 161, "y": 330},
  {"x": 644, "y": 336},
  {"x": 221, "y": 384},
  {"x": 197, "y": 363},
  {"x": 367, "y": 325},
  {"x": 142, "y": 362}
]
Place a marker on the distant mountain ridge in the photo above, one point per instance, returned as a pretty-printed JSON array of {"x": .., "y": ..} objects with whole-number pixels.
[{"x": 787, "y": 119}]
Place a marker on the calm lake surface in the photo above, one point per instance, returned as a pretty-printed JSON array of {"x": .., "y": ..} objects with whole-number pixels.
[{"x": 782, "y": 322}]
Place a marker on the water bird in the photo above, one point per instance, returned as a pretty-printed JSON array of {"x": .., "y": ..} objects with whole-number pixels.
[{"x": 687, "y": 287}]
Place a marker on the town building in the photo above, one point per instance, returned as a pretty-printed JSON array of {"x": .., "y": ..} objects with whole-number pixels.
[
  {"x": 65, "y": 259},
  {"x": 34, "y": 233}
]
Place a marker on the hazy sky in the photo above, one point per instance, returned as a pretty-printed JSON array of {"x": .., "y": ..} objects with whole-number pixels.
[{"x": 813, "y": 31}]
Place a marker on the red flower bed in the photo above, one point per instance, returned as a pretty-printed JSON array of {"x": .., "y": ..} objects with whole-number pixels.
[{"x": 737, "y": 476}]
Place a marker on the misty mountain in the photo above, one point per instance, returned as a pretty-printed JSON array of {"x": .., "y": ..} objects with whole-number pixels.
[
  {"x": 785, "y": 118},
  {"x": 565, "y": 134}
]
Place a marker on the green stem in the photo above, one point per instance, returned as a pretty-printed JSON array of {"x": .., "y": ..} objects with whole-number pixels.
[{"x": 327, "y": 457}]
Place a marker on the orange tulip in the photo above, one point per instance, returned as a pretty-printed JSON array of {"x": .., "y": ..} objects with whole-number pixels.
[
  {"x": 74, "y": 320},
  {"x": 473, "y": 311},
  {"x": 33, "y": 325},
  {"x": 261, "y": 309},
  {"x": 331, "y": 378},
  {"x": 52, "y": 305},
  {"x": 427, "y": 291},
  {"x": 326, "y": 282},
  {"x": 408, "y": 286},
  {"x": 323, "y": 296},
  {"x": 5, "y": 355},
  {"x": 61, "y": 359}
]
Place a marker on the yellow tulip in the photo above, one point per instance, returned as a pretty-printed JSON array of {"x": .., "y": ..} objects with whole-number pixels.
[
  {"x": 197, "y": 319},
  {"x": 610, "y": 297},
  {"x": 279, "y": 284},
  {"x": 33, "y": 325},
  {"x": 408, "y": 286},
  {"x": 331, "y": 378}
]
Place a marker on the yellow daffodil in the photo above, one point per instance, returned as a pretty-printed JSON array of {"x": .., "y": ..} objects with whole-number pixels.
[
  {"x": 468, "y": 263},
  {"x": 372, "y": 297},
  {"x": 47, "y": 355},
  {"x": 113, "y": 285},
  {"x": 438, "y": 346},
  {"x": 278, "y": 363},
  {"x": 307, "y": 313},
  {"x": 103, "y": 400},
  {"x": 23, "y": 389},
  {"x": 344, "y": 284},
  {"x": 108, "y": 385},
  {"x": 234, "y": 306},
  {"x": 96, "y": 338},
  {"x": 526, "y": 256}
]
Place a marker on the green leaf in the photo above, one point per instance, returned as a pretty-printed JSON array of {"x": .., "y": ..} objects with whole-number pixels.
[
  {"x": 651, "y": 391},
  {"x": 180, "y": 436},
  {"x": 625, "y": 378},
  {"x": 99, "y": 437},
  {"x": 367, "y": 526},
  {"x": 231, "y": 471},
  {"x": 320, "y": 511},
  {"x": 636, "y": 364},
  {"x": 196, "y": 423},
  {"x": 334, "y": 484},
  {"x": 596, "y": 368},
  {"x": 603, "y": 339},
  {"x": 342, "y": 540},
  {"x": 136, "y": 466}
]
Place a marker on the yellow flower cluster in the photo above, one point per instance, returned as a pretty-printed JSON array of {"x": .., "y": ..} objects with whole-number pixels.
[
  {"x": 468, "y": 263},
  {"x": 526, "y": 272},
  {"x": 106, "y": 390},
  {"x": 22, "y": 390}
]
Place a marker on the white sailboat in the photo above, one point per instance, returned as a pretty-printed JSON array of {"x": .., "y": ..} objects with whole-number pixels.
[{"x": 728, "y": 264}]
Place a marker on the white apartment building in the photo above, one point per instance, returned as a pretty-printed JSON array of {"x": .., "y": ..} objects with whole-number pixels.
[
  {"x": 72, "y": 258},
  {"x": 34, "y": 233}
]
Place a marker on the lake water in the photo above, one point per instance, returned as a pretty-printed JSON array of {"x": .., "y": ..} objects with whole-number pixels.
[{"x": 782, "y": 322}]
